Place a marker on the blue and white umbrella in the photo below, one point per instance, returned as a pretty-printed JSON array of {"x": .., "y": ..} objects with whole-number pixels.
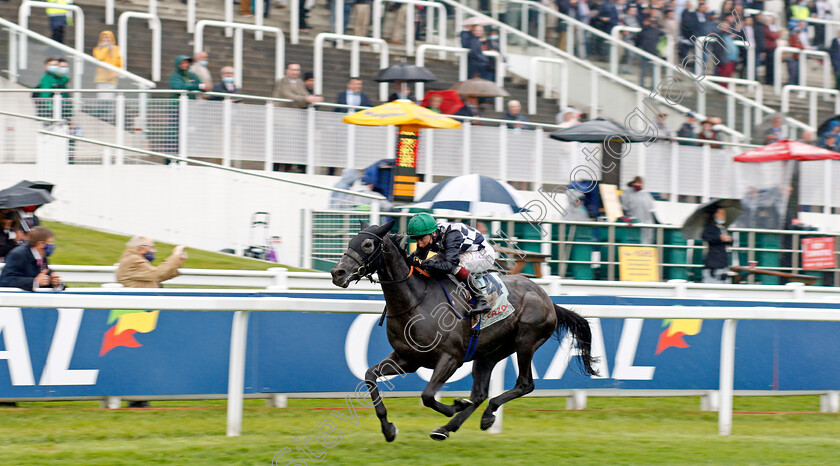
[{"x": 474, "y": 193}]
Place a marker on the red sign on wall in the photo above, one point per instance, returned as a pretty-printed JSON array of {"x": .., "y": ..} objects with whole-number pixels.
[{"x": 818, "y": 253}]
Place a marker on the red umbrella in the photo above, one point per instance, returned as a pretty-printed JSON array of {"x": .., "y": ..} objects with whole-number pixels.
[
  {"x": 786, "y": 149},
  {"x": 451, "y": 101}
]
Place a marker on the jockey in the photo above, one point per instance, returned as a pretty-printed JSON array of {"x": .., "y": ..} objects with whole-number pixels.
[{"x": 463, "y": 250}]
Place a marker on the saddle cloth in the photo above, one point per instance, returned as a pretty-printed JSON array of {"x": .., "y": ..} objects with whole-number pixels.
[{"x": 497, "y": 295}]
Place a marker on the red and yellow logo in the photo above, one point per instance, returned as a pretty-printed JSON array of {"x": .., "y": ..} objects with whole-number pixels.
[
  {"x": 128, "y": 322},
  {"x": 675, "y": 331}
]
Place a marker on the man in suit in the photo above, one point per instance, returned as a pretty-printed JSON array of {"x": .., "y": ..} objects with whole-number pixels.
[
  {"x": 352, "y": 96},
  {"x": 226, "y": 85},
  {"x": 26, "y": 266},
  {"x": 291, "y": 87}
]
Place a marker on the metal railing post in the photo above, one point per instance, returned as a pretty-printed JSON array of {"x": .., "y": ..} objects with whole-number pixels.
[
  {"x": 279, "y": 48},
  {"x": 190, "y": 16},
  {"x": 227, "y": 122},
  {"x": 503, "y": 153},
  {"x": 109, "y": 12},
  {"x": 122, "y": 33},
  {"x": 183, "y": 105},
  {"x": 236, "y": 371},
  {"x": 675, "y": 167},
  {"x": 318, "y": 54},
  {"x": 120, "y": 128},
  {"x": 409, "y": 29},
  {"x": 538, "y": 158},
  {"x": 593, "y": 95},
  {"x": 466, "y": 147},
  {"x": 237, "y": 55},
  {"x": 258, "y": 18},
  {"x": 727, "y": 375},
  {"x": 310, "y": 140},
  {"x": 269, "y": 136},
  {"x": 229, "y": 16},
  {"x": 707, "y": 172}
]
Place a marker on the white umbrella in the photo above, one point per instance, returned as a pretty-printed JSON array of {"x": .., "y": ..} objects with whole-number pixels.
[{"x": 474, "y": 193}]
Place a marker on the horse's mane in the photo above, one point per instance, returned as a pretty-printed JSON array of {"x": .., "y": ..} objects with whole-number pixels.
[{"x": 399, "y": 241}]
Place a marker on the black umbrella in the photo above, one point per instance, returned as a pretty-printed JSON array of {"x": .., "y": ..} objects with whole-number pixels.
[
  {"x": 35, "y": 185},
  {"x": 405, "y": 72},
  {"x": 598, "y": 130},
  {"x": 19, "y": 196},
  {"x": 696, "y": 222}
]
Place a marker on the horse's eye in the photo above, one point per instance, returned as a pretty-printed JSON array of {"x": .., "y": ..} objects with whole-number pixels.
[{"x": 367, "y": 246}]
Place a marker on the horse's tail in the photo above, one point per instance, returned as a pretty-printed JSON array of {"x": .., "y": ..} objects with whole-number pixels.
[{"x": 578, "y": 327}]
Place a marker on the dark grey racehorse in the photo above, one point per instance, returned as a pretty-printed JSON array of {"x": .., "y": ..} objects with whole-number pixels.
[{"x": 426, "y": 331}]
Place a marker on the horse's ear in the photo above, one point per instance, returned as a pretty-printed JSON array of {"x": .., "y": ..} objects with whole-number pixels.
[
  {"x": 382, "y": 230},
  {"x": 363, "y": 224}
]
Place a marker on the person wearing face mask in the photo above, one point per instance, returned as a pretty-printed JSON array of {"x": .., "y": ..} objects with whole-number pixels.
[
  {"x": 8, "y": 235},
  {"x": 135, "y": 269},
  {"x": 27, "y": 267},
  {"x": 639, "y": 204},
  {"x": 716, "y": 264},
  {"x": 56, "y": 76},
  {"x": 226, "y": 85},
  {"x": 199, "y": 68}
]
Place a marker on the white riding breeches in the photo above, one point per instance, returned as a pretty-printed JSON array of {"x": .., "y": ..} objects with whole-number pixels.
[{"x": 478, "y": 261}]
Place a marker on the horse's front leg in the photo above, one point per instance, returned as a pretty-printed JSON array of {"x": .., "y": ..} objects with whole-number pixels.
[
  {"x": 446, "y": 366},
  {"x": 392, "y": 365}
]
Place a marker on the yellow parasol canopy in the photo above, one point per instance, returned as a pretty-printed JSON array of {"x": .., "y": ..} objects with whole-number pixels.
[{"x": 401, "y": 113}]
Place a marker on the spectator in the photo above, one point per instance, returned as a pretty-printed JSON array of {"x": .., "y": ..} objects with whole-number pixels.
[
  {"x": 303, "y": 12},
  {"x": 291, "y": 87},
  {"x": 671, "y": 27},
  {"x": 27, "y": 267},
  {"x": 568, "y": 117},
  {"x": 771, "y": 37},
  {"x": 662, "y": 130},
  {"x": 631, "y": 19},
  {"x": 107, "y": 51},
  {"x": 348, "y": 8},
  {"x": 708, "y": 133},
  {"x": 514, "y": 112},
  {"x": 184, "y": 79},
  {"x": 726, "y": 54},
  {"x": 477, "y": 62},
  {"x": 834, "y": 53},
  {"x": 309, "y": 82},
  {"x": 823, "y": 11},
  {"x": 604, "y": 20},
  {"x": 435, "y": 100},
  {"x": 361, "y": 17},
  {"x": 564, "y": 7},
  {"x": 470, "y": 108},
  {"x": 716, "y": 263},
  {"x": 353, "y": 96},
  {"x": 135, "y": 269},
  {"x": 754, "y": 35},
  {"x": 800, "y": 10},
  {"x": 199, "y": 68},
  {"x": 180, "y": 79},
  {"x": 579, "y": 10},
  {"x": 348, "y": 181},
  {"x": 53, "y": 78},
  {"x": 798, "y": 38},
  {"x": 638, "y": 204},
  {"x": 226, "y": 85},
  {"x": 774, "y": 132},
  {"x": 691, "y": 25},
  {"x": 8, "y": 234},
  {"x": 830, "y": 142},
  {"x": 648, "y": 40},
  {"x": 245, "y": 8},
  {"x": 58, "y": 19},
  {"x": 687, "y": 130},
  {"x": 403, "y": 92}
]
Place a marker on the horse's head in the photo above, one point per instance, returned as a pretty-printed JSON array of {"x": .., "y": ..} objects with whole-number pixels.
[{"x": 363, "y": 255}]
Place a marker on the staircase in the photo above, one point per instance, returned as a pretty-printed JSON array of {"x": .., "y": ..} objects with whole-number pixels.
[{"x": 258, "y": 57}]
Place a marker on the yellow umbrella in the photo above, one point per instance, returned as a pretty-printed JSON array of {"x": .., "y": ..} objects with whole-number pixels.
[
  {"x": 409, "y": 118},
  {"x": 401, "y": 113}
]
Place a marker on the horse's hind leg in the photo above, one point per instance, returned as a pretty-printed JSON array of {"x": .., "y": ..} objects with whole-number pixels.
[
  {"x": 392, "y": 365},
  {"x": 524, "y": 385},
  {"x": 482, "y": 369}
]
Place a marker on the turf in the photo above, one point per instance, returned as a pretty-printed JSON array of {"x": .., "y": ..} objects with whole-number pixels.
[
  {"x": 82, "y": 246},
  {"x": 536, "y": 431}
]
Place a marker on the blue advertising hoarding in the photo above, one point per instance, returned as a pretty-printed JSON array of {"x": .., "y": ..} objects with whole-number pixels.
[{"x": 96, "y": 353}]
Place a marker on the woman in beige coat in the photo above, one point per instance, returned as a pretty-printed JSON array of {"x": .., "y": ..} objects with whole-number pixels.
[{"x": 135, "y": 269}]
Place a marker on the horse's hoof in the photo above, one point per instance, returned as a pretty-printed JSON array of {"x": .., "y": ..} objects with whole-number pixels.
[
  {"x": 461, "y": 404},
  {"x": 440, "y": 434},
  {"x": 390, "y": 432},
  {"x": 487, "y": 421}
]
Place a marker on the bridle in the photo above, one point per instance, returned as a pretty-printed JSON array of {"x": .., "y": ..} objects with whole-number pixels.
[{"x": 363, "y": 270}]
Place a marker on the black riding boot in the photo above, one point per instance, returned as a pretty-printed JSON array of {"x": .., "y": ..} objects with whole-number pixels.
[{"x": 481, "y": 303}]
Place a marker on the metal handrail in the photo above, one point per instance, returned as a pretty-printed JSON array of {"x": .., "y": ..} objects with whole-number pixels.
[
  {"x": 813, "y": 93},
  {"x": 616, "y": 33},
  {"x": 210, "y": 165},
  {"x": 279, "y": 49},
  {"x": 699, "y": 47},
  {"x": 532, "y": 82},
  {"x": 730, "y": 102},
  {"x": 14, "y": 30},
  {"x": 507, "y": 29},
  {"x": 803, "y": 68},
  {"x": 420, "y": 60},
  {"x": 409, "y": 22},
  {"x": 122, "y": 32},
  {"x": 354, "y": 58},
  {"x": 591, "y": 30},
  {"x": 25, "y": 10},
  {"x": 829, "y": 33}
]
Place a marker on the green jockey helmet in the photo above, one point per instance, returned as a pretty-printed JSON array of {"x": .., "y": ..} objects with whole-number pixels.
[{"x": 421, "y": 224}]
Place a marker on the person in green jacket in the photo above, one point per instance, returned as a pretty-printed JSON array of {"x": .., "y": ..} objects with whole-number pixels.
[
  {"x": 55, "y": 77},
  {"x": 181, "y": 79}
]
